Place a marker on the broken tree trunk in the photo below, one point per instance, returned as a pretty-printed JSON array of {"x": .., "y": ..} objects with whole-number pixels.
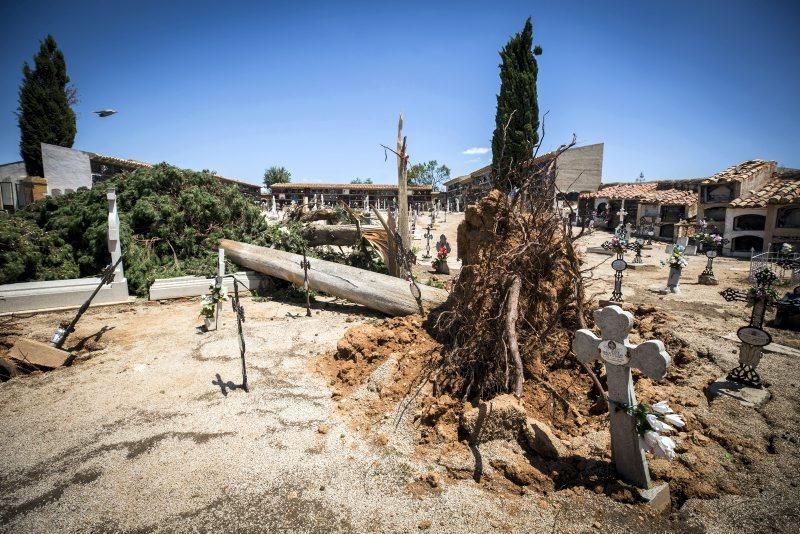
[
  {"x": 344, "y": 235},
  {"x": 380, "y": 292}
]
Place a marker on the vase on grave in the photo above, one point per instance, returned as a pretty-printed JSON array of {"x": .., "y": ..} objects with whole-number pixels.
[
  {"x": 208, "y": 321},
  {"x": 673, "y": 280},
  {"x": 442, "y": 267}
]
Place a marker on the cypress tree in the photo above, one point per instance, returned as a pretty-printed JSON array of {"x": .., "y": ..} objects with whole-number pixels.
[
  {"x": 44, "y": 113},
  {"x": 517, "y": 100}
]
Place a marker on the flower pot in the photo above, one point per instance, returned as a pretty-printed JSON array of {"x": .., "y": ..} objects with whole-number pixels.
[
  {"x": 674, "y": 280},
  {"x": 208, "y": 321},
  {"x": 442, "y": 267}
]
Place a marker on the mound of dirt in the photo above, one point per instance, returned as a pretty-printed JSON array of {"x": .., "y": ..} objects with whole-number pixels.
[{"x": 382, "y": 372}]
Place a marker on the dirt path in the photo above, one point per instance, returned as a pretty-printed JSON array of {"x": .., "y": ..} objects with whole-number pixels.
[{"x": 149, "y": 432}]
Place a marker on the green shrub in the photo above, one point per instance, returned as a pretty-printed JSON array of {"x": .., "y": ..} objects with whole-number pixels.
[{"x": 171, "y": 221}]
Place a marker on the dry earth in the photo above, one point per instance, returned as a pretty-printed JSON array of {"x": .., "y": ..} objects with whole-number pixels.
[{"x": 148, "y": 431}]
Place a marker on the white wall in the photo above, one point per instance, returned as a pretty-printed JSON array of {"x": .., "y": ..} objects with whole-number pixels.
[
  {"x": 65, "y": 168},
  {"x": 730, "y": 215},
  {"x": 580, "y": 169}
]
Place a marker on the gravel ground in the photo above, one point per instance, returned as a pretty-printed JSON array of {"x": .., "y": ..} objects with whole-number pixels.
[{"x": 149, "y": 431}]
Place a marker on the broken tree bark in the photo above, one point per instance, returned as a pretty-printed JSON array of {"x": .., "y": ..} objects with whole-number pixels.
[
  {"x": 402, "y": 183},
  {"x": 511, "y": 332},
  {"x": 380, "y": 292}
]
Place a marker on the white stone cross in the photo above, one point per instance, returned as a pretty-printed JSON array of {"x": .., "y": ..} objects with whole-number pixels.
[{"x": 620, "y": 355}]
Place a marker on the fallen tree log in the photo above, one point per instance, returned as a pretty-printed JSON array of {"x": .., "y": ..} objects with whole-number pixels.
[
  {"x": 376, "y": 291},
  {"x": 344, "y": 235}
]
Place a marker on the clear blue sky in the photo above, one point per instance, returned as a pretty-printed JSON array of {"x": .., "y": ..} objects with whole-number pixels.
[{"x": 674, "y": 89}]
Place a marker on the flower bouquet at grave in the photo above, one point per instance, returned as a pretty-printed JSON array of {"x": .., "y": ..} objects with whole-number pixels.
[
  {"x": 677, "y": 259},
  {"x": 440, "y": 263},
  {"x": 652, "y": 422},
  {"x": 210, "y": 301},
  {"x": 763, "y": 287},
  {"x": 617, "y": 245}
]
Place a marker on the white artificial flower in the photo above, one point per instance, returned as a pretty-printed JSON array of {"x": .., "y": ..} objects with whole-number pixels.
[
  {"x": 658, "y": 425},
  {"x": 675, "y": 419},
  {"x": 283, "y": 230},
  {"x": 662, "y": 408},
  {"x": 665, "y": 447}
]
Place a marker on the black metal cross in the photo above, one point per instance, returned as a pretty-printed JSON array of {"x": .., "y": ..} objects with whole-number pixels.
[
  {"x": 636, "y": 246},
  {"x": 709, "y": 270},
  {"x": 238, "y": 310},
  {"x": 752, "y": 336},
  {"x": 619, "y": 265},
  {"x": 305, "y": 265}
]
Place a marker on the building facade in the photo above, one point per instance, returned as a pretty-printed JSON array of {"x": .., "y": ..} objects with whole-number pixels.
[
  {"x": 579, "y": 169},
  {"x": 362, "y": 196}
]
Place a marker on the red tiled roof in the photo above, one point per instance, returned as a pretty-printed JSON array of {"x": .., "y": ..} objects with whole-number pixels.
[
  {"x": 670, "y": 197},
  {"x": 622, "y": 191},
  {"x": 784, "y": 188},
  {"x": 737, "y": 173}
]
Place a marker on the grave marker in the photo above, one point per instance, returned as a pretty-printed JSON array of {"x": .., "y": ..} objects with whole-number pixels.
[
  {"x": 620, "y": 356},
  {"x": 238, "y": 309},
  {"x": 428, "y": 237},
  {"x": 707, "y": 278},
  {"x": 305, "y": 265}
]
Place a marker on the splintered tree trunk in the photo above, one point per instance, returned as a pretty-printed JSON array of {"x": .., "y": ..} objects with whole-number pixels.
[
  {"x": 511, "y": 332},
  {"x": 380, "y": 292},
  {"x": 402, "y": 186}
]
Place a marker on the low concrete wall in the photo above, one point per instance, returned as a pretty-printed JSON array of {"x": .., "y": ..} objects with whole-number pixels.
[
  {"x": 195, "y": 286},
  {"x": 29, "y": 297}
]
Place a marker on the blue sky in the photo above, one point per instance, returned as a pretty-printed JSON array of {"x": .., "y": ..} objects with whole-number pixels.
[{"x": 674, "y": 89}]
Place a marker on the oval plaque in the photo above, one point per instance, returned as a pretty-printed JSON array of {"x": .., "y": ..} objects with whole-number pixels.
[
  {"x": 613, "y": 352},
  {"x": 619, "y": 265},
  {"x": 711, "y": 253},
  {"x": 754, "y": 336}
]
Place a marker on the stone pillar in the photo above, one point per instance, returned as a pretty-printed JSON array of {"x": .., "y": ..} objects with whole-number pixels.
[
  {"x": 114, "y": 244},
  {"x": 38, "y": 187}
]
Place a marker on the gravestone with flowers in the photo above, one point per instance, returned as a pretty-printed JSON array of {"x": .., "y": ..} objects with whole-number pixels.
[
  {"x": 635, "y": 428},
  {"x": 676, "y": 261},
  {"x": 442, "y": 251}
]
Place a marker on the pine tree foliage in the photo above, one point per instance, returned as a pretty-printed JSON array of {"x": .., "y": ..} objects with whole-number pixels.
[
  {"x": 517, "y": 120},
  {"x": 277, "y": 175},
  {"x": 44, "y": 113},
  {"x": 171, "y": 221}
]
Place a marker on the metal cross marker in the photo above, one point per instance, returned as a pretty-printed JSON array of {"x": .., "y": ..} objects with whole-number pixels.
[
  {"x": 305, "y": 265},
  {"x": 238, "y": 309},
  {"x": 636, "y": 246},
  {"x": 428, "y": 236},
  {"x": 620, "y": 356},
  {"x": 752, "y": 336},
  {"x": 709, "y": 270},
  {"x": 619, "y": 265},
  {"x": 61, "y": 333},
  {"x": 416, "y": 292}
]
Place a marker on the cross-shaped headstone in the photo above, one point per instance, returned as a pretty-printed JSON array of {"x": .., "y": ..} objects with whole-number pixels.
[
  {"x": 620, "y": 355},
  {"x": 305, "y": 265},
  {"x": 428, "y": 236}
]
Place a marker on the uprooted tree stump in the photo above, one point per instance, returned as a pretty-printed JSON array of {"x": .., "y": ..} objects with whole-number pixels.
[{"x": 519, "y": 296}]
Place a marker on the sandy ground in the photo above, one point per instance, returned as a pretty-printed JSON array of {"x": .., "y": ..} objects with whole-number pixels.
[{"x": 149, "y": 431}]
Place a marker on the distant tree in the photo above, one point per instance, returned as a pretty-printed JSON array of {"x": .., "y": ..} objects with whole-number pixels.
[
  {"x": 277, "y": 175},
  {"x": 45, "y": 113},
  {"x": 517, "y": 119},
  {"x": 360, "y": 181},
  {"x": 430, "y": 173}
]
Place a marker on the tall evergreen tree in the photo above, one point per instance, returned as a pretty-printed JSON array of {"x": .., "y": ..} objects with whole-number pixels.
[
  {"x": 514, "y": 140},
  {"x": 45, "y": 114}
]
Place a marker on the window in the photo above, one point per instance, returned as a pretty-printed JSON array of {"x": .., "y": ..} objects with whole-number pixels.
[
  {"x": 667, "y": 230},
  {"x": 788, "y": 217},
  {"x": 718, "y": 193},
  {"x": 672, "y": 213},
  {"x": 714, "y": 214},
  {"x": 744, "y": 243},
  {"x": 749, "y": 222}
]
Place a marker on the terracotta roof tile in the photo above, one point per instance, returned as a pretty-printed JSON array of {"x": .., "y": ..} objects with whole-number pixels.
[
  {"x": 784, "y": 188},
  {"x": 737, "y": 173},
  {"x": 670, "y": 197},
  {"x": 622, "y": 191}
]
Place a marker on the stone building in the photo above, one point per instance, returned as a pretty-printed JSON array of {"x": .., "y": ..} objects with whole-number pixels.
[
  {"x": 765, "y": 218},
  {"x": 67, "y": 169},
  {"x": 579, "y": 169},
  {"x": 662, "y": 203},
  {"x": 363, "y": 196},
  {"x": 737, "y": 181}
]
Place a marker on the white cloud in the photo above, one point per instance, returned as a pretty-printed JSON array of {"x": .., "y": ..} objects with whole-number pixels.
[{"x": 476, "y": 150}]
